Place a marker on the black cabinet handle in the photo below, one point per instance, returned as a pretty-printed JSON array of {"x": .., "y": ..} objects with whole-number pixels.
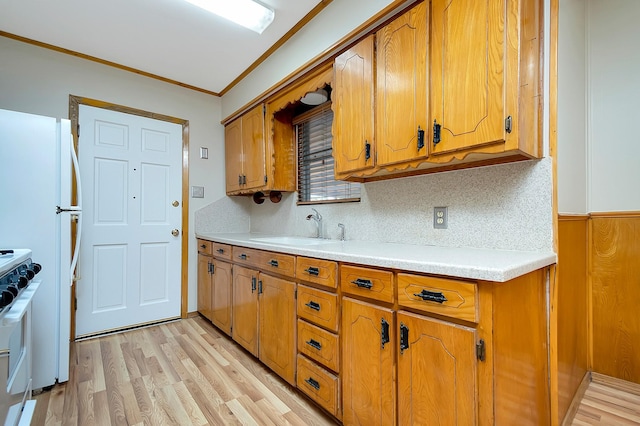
[
  {"x": 314, "y": 344},
  {"x": 253, "y": 284},
  {"x": 404, "y": 338},
  {"x": 242, "y": 256},
  {"x": 313, "y": 305},
  {"x": 313, "y": 383},
  {"x": 431, "y": 296},
  {"x": 384, "y": 332},
  {"x": 362, "y": 283},
  {"x": 220, "y": 250},
  {"x": 203, "y": 246},
  {"x": 273, "y": 263},
  {"x": 259, "y": 286},
  {"x": 312, "y": 270}
]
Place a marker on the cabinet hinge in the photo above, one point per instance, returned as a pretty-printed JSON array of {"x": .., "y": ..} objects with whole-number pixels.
[
  {"x": 264, "y": 109},
  {"x": 507, "y": 124},
  {"x": 480, "y": 350},
  {"x": 265, "y": 178},
  {"x": 436, "y": 133},
  {"x": 295, "y": 294}
]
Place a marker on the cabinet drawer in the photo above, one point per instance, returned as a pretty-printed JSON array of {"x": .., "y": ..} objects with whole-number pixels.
[
  {"x": 278, "y": 263},
  {"x": 317, "y": 271},
  {"x": 372, "y": 283},
  {"x": 319, "y": 307},
  {"x": 205, "y": 247},
  {"x": 442, "y": 296},
  {"x": 246, "y": 256},
  {"x": 222, "y": 251},
  {"x": 320, "y": 384},
  {"x": 319, "y": 345}
]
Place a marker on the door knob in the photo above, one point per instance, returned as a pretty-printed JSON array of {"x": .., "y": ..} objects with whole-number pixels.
[
  {"x": 175, "y": 232},
  {"x": 175, "y": 203}
]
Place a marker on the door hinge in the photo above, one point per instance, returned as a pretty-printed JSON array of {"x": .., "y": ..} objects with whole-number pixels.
[
  {"x": 507, "y": 124},
  {"x": 78, "y": 130},
  {"x": 480, "y": 350},
  {"x": 75, "y": 304},
  {"x": 265, "y": 178}
]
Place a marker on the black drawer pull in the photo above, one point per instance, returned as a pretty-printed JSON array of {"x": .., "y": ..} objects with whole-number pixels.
[
  {"x": 242, "y": 256},
  {"x": 203, "y": 246},
  {"x": 362, "y": 283},
  {"x": 313, "y": 383},
  {"x": 273, "y": 263},
  {"x": 431, "y": 296},
  {"x": 314, "y": 344},
  {"x": 312, "y": 270},
  {"x": 220, "y": 251},
  {"x": 313, "y": 305}
]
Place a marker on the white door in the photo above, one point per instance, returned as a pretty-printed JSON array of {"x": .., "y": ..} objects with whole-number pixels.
[{"x": 130, "y": 262}]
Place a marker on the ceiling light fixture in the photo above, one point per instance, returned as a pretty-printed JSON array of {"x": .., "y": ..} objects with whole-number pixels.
[{"x": 248, "y": 13}]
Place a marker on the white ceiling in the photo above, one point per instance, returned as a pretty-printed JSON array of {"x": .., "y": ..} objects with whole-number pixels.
[{"x": 168, "y": 38}]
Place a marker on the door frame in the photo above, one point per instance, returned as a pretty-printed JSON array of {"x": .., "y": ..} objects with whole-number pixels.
[{"x": 74, "y": 110}]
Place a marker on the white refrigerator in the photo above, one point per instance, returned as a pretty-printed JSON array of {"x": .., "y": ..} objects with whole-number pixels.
[{"x": 36, "y": 165}]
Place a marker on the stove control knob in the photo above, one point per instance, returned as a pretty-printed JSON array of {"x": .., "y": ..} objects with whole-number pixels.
[
  {"x": 6, "y": 297},
  {"x": 29, "y": 273},
  {"x": 13, "y": 290},
  {"x": 36, "y": 267},
  {"x": 22, "y": 281}
]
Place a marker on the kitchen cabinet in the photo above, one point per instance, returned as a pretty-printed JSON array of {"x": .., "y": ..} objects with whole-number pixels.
[
  {"x": 204, "y": 285},
  {"x": 221, "y": 295},
  {"x": 245, "y": 159},
  {"x": 436, "y": 372},
  {"x": 264, "y": 319},
  {"x": 368, "y": 339}
]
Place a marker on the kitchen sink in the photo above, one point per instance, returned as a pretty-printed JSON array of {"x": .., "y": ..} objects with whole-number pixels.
[{"x": 293, "y": 241}]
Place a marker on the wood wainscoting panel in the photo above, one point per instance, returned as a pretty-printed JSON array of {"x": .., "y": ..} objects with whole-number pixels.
[
  {"x": 569, "y": 309},
  {"x": 615, "y": 293}
]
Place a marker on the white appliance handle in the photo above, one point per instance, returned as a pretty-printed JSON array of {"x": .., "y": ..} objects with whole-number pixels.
[{"x": 78, "y": 208}]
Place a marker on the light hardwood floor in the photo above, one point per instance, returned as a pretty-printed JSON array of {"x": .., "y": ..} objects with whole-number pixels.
[
  {"x": 609, "y": 401},
  {"x": 179, "y": 373}
]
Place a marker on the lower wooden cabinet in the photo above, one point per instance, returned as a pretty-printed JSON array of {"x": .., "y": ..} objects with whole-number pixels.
[
  {"x": 204, "y": 285},
  {"x": 320, "y": 384},
  {"x": 245, "y": 308},
  {"x": 368, "y": 349},
  {"x": 221, "y": 295},
  {"x": 436, "y": 372}
]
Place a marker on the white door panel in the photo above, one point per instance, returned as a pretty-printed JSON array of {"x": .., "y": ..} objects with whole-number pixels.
[{"x": 130, "y": 263}]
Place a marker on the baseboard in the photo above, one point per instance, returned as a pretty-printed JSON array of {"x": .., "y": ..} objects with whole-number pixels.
[{"x": 577, "y": 398}]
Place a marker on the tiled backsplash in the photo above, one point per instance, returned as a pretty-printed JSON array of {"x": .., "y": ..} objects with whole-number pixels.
[{"x": 498, "y": 207}]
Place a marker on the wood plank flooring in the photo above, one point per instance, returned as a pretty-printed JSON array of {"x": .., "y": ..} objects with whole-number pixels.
[
  {"x": 179, "y": 373},
  {"x": 609, "y": 401}
]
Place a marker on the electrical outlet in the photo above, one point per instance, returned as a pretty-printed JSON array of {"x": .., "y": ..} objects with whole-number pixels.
[{"x": 440, "y": 218}]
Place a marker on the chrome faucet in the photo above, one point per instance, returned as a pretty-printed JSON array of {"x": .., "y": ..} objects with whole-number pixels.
[
  {"x": 318, "y": 219},
  {"x": 341, "y": 226}
]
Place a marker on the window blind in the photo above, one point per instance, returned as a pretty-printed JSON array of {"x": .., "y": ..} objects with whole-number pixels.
[{"x": 316, "y": 181}]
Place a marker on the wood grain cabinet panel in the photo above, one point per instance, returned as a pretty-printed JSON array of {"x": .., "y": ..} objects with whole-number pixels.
[
  {"x": 245, "y": 308},
  {"x": 318, "y": 306},
  {"x": 318, "y": 271},
  {"x": 442, "y": 296},
  {"x": 221, "y": 295},
  {"x": 368, "y": 348},
  {"x": 278, "y": 263},
  {"x": 205, "y": 247},
  {"x": 318, "y": 344},
  {"x": 221, "y": 251},
  {"x": 204, "y": 285},
  {"x": 277, "y": 325},
  {"x": 320, "y": 384},
  {"x": 436, "y": 372},
  {"x": 367, "y": 282},
  {"x": 352, "y": 104}
]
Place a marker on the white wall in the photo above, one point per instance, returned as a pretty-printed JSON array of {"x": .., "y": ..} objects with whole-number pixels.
[
  {"x": 335, "y": 21},
  {"x": 572, "y": 108},
  {"x": 598, "y": 106},
  {"x": 39, "y": 81}
]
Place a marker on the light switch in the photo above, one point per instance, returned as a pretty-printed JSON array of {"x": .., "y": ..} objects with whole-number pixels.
[
  {"x": 197, "y": 192},
  {"x": 204, "y": 152}
]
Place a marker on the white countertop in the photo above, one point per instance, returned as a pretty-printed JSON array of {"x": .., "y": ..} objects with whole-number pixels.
[{"x": 472, "y": 263}]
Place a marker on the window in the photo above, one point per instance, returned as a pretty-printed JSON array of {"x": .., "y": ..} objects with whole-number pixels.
[{"x": 316, "y": 183}]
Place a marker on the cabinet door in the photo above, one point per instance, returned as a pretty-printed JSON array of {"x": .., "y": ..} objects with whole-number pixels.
[
  {"x": 368, "y": 342},
  {"x": 204, "y": 285},
  {"x": 401, "y": 89},
  {"x": 245, "y": 308},
  {"x": 467, "y": 73},
  {"x": 436, "y": 372},
  {"x": 221, "y": 296},
  {"x": 277, "y": 326},
  {"x": 233, "y": 154},
  {"x": 352, "y": 104},
  {"x": 253, "y": 146}
]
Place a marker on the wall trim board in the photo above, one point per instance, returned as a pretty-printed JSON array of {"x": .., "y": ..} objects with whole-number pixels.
[{"x": 615, "y": 214}]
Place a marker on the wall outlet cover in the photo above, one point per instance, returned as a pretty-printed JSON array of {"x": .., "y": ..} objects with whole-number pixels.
[
  {"x": 440, "y": 218},
  {"x": 197, "y": 192}
]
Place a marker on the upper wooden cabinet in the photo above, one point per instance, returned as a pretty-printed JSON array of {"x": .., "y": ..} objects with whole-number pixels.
[
  {"x": 245, "y": 152},
  {"x": 457, "y": 83},
  {"x": 401, "y": 88}
]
